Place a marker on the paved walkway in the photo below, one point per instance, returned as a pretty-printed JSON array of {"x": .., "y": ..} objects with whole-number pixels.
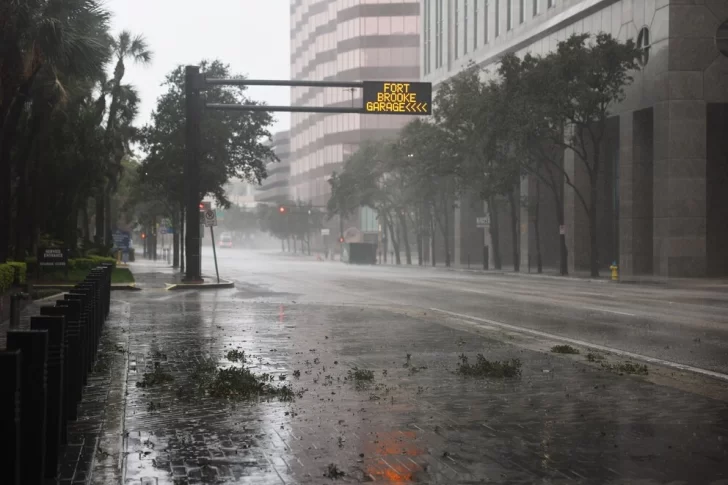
[{"x": 564, "y": 420}]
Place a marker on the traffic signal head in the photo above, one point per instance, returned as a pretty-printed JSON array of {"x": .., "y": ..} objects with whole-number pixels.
[
  {"x": 202, "y": 206},
  {"x": 282, "y": 210},
  {"x": 341, "y": 239},
  {"x": 144, "y": 236}
]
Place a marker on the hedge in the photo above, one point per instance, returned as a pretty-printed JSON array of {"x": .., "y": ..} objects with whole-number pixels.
[
  {"x": 89, "y": 263},
  {"x": 22, "y": 270},
  {"x": 7, "y": 275}
]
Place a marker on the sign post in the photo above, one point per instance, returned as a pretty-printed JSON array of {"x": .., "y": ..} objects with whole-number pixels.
[
  {"x": 211, "y": 221},
  {"x": 484, "y": 223}
]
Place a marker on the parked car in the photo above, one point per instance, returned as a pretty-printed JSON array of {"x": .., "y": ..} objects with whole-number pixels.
[{"x": 226, "y": 241}]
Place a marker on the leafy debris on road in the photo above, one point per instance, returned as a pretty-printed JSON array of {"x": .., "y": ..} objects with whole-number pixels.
[
  {"x": 332, "y": 472},
  {"x": 237, "y": 383},
  {"x": 564, "y": 349},
  {"x": 296, "y": 373},
  {"x": 485, "y": 368},
  {"x": 627, "y": 368},
  {"x": 360, "y": 375},
  {"x": 154, "y": 378},
  {"x": 236, "y": 356},
  {"x": 592, "y": 357}
]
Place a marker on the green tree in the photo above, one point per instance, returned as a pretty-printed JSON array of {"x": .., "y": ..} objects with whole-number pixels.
[
  {"x": 42, "y": 43},
  {"x": 232, "y": 143},
  {"x": 124, "y": 47}
]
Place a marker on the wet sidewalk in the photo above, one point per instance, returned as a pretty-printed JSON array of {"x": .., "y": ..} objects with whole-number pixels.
[{"x": 151, "y": 416}]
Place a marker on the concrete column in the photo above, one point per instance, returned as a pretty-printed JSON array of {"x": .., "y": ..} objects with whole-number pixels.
[
  {"x": 527, "y": 249},
  {"x": 575, "y": 215},
  {"x": 680, "y": 188}
]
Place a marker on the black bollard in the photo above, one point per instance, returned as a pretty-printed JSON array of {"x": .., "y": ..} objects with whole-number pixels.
[
  {"x": 56, "y": 328},
  {"x": 34, "y": 345},
  {"x": 10, "y": 365},
  {"x": 71, "y": 364},
  {"x": 88, "y": 291},
  {"x": 80, "y": 303}
]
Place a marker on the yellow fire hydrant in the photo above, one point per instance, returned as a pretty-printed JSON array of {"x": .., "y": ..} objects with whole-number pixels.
[{"x": 615, "y": 271}]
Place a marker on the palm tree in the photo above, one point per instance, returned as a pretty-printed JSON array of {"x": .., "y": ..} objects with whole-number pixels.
[
  {"x": 125, "y": 47},
  {"x": 51, "y": 36}
]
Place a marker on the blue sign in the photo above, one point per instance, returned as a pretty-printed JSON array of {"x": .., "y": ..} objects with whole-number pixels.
[{"x": 122, "y": 239}]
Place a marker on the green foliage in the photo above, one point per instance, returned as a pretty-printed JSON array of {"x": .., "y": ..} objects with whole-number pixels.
[
  {"x": 486, "y": 368},
  {"x": 87, "y": 264},
  {"x": 7, "y": 275},
  {"x": 233, "y": 143},
  {"x": 21, "y": 269}
]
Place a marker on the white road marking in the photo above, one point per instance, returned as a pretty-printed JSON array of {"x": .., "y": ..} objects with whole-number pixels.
[
  {"x": 598, "y": 309},
  {"x": 623, "y": 353}
]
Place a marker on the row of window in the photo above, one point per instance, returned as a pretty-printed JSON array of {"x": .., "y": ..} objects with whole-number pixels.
[
  {"x": 355, "y": 59},
  {"x": 481, "y": 12},
  {"x": 366, "y": 26}
]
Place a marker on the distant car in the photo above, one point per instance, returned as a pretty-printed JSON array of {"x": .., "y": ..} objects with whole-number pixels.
[{"x": 226, "y": 242}]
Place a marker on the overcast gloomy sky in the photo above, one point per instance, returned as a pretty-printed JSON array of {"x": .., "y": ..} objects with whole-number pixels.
[{"x": 250, "y": 35}]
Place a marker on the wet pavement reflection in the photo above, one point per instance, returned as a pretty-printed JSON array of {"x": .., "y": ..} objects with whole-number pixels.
[{"x": 417, "y": 421}]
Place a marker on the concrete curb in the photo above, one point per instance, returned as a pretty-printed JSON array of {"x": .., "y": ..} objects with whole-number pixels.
[{"x": 200, "y": 286}]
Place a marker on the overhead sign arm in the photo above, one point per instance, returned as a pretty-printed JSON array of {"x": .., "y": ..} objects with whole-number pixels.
[{"x": 380, "y": 97}]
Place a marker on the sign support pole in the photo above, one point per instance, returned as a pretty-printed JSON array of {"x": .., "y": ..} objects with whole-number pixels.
[
  {"x": 214, "y": 253},
  {"x": 192, "y": 171}
]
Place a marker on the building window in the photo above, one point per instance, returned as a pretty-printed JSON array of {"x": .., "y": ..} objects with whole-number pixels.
[
  {"x": 509, "y": 14},
  {"x": 475, "y": 24},
  {"x": 465, "y": 26},
  {"x": 427, "y": 36},
  {"x": 486, "y": 17},
  {"x": 457, "y": 28},
  {"x": 521, "y": 11},
  {"x": 497, "y": 18},
  {"x": 535, "y": 7},
  {"x": 643, "y": 43}
]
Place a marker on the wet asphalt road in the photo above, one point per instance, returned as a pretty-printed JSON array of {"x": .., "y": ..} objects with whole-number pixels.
[
  {"x": 687, "y": 324},
  {"x": 309, "y": 324}
]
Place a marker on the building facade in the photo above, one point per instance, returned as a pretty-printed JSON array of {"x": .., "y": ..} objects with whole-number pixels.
[
  {"x": 345, "y": 40},
  {"x": 662, "y": 200},
  {"x": 276, "y": 187}
]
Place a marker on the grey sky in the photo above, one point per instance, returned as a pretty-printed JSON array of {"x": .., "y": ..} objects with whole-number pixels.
[{"x": 250, "y": 35}]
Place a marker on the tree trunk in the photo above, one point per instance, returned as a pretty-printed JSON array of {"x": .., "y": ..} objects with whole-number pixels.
[
  {"x": 446, "y": 235},
  {"x": 395, "y": 242},
  {"x": 536, "y": 227},
  {"x": 494, "y": 233},
  {"x": 8, "y": 138},
  {"x": 85, "y": 221},
  {"x": 594, "y": 242},
  {"x": 514, "y": 229},
  {"x": 433, "y": 236},
  {"x": 108, "y": 223},
  {"x": 175, "y": 239},
  {"x": 182, "y": 240},
  {"x": 99, "y": 235},
  {"x": 405, "y": 238}
]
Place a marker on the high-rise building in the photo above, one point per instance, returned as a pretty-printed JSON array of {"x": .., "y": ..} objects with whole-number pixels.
[
  {"x": 345, "y": 40},
  {"x": 661, "y": 201},
  {"x": 275, "y": 188}
]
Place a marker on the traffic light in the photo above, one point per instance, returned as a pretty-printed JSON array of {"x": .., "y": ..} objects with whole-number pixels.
[
  {"x": 282, "y": 210},
  {"x": 341, "y": 239},
  {"x": 202, "y": 206},
  {"x": 144, "y": 236}
]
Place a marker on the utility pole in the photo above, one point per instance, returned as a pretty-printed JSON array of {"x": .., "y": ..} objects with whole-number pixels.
[{"x": 193, "y": 108}]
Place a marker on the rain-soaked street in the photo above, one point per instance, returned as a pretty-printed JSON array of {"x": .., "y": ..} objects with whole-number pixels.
[{"x": 320, "y": 326}]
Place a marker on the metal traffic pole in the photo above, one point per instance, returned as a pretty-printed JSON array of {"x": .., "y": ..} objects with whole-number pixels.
[{"x": 214, "y": 254}]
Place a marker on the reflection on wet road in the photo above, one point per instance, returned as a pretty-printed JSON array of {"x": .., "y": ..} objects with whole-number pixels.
[{"x": 564, "y": 420}]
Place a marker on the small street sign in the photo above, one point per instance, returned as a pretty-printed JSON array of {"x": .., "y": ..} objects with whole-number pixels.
[
  {"x": 482, "y": 222},
  {"x": 210, "y": 218},
  {"x": 325, "y": 232}
]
